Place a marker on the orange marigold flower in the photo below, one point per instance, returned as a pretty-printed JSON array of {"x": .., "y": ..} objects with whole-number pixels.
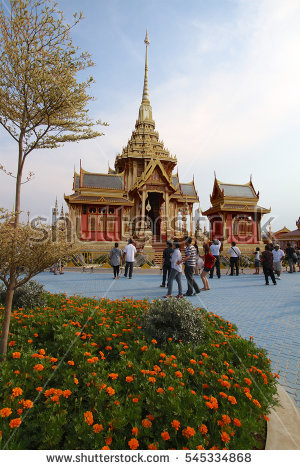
[
  {"x": 16, "y": 355},
  {"x": 38, "y": 367},
  {"x": 152, "y": 447},
  {"x": 266, "y": 418},
  {"x": 165, "y": 435},
  {"x": 39, "y": 389},
  {"x": 223, "y": 395},
  {"x": 135, "y": 431},
  {"x": 237, "y": 422},
  {"x": 152, "y": 379},
  {"x": 192, "y": 361},
  {"x": 76, "y": 381},
  {"x": 67, "y": 393},
  {"x": 5, "y": 412},
  {"x": 105, "y": 448},
  {"x": 178, "y": 373},
  {"x": 256, "y": 403},
  {"x": 88, "y": 416},
  {"x": 110, "y": 391},
  {"x": 15, "y": 423},
  {"x": 135, "y": 400},
  {"x": 248, "y": 381},
  {"x": 160, "y": 390},
  {"x": 42, "y": 351},
  {"x": 55, "y": 398},
  {"x": 203, "y": 429},
  {"x": 188, "y": 432},
  {"x": 226, "y": 419},
  {"x": 225, "y": 437},
  {"x": 232, "y": 400},
  {"x": 175, "y": 424},
  {"x": 71, "y": 363},
  {"x": 97, "y": 428},
  {"x": 144, "y": 348},
  {"x": 108, "y": 440},
  {"x": 170, "y": 389},
  {"x": 146, "y": 423},
  {"x": 191, "y": 371},
  {"x": 11, "y": 343},
  {"x": 16, "y": 392},
  {"x": 129, "y": 378},
  {"x": 113, "y": 376},
  {"x": 200, "y": 448},
  {"x": 230, "y": 371},
  {"x": 27, "y": 404},
  {"x": 154, "y": 341},
  {"x": 133, "y": 443},
  {"x": 151, "y": 417}
]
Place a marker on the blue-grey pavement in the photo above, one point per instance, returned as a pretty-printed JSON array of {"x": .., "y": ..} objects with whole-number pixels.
[{"x": 271, "y": 314}]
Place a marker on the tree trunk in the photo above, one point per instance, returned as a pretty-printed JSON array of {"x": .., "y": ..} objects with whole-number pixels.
[
  {"x": 6, "y": 320},
  {"x": 18, "y": 183}
]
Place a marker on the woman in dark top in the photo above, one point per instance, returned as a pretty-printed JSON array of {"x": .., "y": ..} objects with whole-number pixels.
[{"x": 115, "y": 260}]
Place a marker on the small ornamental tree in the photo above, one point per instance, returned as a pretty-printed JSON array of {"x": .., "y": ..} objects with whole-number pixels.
[
  {"x": 42, "y": 103},
  {"x": 26, "y": 251}
]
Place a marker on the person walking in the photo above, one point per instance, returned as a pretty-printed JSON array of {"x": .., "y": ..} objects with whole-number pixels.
[
  {"x": 129, "y": 255},
  {"x": 235, "y": 255},
  {"x": 176, "y": 271},
  {"x": 278, "y": 256},
  {"x": 267, "y": 264},
  {"x": 167, "y": 253},
  {"x": 256, "y": 260},
  {"x": 115, "y": 257},
  {"x": 291, "y": 255},
  {"x": 215, "y": 251},
  {"x": 209, "y": 261},
  {"x": 190, "y": 262}
]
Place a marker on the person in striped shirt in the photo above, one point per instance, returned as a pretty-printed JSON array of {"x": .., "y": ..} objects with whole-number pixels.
[{"x": 190, "y": 263}]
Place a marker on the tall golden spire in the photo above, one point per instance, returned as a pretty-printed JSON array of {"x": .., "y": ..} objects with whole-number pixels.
[
  {"x": 145, "y": 112},
  {"x": 146, "y": 98}
]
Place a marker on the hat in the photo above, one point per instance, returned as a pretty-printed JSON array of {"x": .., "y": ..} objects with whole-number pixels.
[
  {"x": 215, "y": 241},
  {"x": 276, "y": 245}
]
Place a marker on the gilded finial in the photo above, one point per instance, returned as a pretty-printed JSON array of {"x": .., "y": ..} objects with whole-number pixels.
[{"x": 146, "y": 98}]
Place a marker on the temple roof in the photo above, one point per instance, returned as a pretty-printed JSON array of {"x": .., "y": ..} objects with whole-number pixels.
[
  {"x": 96, "y": 180},
  {"x": 188, "y": 189},
  {"x": 238, "y": 190},
  {"x": 293, "y": 235}
]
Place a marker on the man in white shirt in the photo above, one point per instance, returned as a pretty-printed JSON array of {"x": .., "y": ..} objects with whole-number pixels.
[
  {"x": 278, "y": 256},
  {"x": 215, "y": 251},
  {"x": 235, "y": 255},
  {"x": 176, "y": 270},
  {"x": 129, "y": 254}
]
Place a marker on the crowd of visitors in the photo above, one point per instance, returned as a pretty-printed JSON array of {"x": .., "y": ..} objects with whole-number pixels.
[{"x": 270, "y": 259}]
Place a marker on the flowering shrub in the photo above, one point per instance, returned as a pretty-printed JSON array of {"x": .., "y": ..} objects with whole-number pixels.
[
  {"x": 82, "y": 374},
  {"x": 173, "y": 318}
]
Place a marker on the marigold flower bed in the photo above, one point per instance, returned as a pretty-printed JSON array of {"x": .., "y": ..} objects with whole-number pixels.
[{"x": 81, "y": 374}]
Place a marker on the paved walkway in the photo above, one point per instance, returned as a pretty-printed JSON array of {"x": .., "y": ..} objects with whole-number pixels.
[{"x": 271, "y": 314}]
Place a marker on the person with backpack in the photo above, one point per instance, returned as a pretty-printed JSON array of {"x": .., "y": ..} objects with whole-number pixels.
[
  {"x": 235, "y": 255},
  {"x": 167, "y": 253}
]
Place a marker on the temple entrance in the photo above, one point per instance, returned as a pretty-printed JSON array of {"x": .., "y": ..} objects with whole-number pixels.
[{"x": 154, "y": 200}]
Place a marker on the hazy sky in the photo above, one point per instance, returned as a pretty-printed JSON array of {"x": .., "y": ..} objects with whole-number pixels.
[{"x": 224, "y": 79}]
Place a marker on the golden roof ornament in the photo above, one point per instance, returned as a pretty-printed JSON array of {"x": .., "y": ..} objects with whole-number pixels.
[{"x": 146, "y": 98}]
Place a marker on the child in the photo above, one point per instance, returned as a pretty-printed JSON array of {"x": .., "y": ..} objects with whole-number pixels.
[{"x": 256, "y": 260}]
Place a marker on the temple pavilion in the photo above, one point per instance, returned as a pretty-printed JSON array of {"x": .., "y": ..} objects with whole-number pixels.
[
  {"x": 142, "y": 197},
  {"x": 235, "y": 215}
]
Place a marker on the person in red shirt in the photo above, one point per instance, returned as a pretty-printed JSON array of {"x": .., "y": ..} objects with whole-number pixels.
[{"x": 209, "y": 261}]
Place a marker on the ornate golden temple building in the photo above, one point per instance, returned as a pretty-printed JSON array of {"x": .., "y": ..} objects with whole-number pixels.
[
  {"x": 141, "y": 197},
  {"x": 235, "y": 215}
]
